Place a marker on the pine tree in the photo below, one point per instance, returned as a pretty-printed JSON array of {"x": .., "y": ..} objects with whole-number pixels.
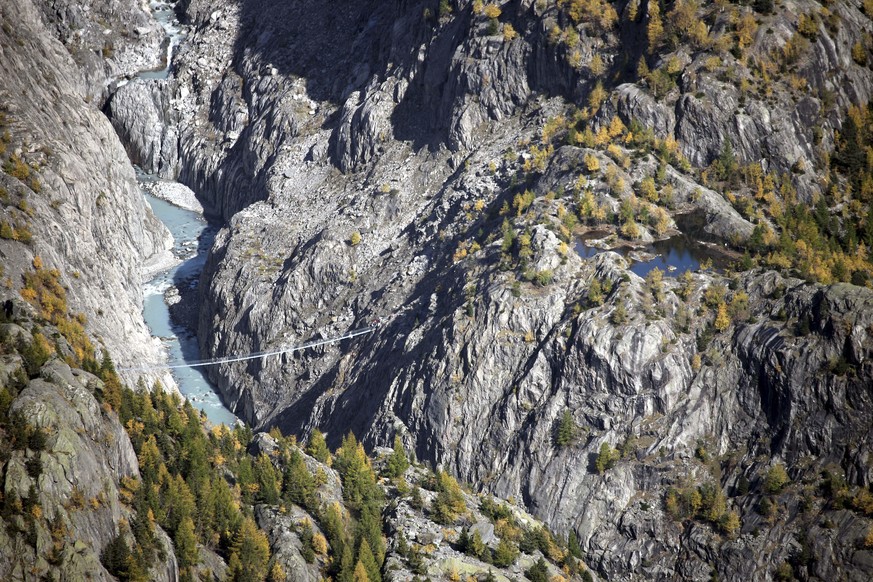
[
  {"x": 397, "y": 462},
  {"x": 149, "y": 460},
  {"x": 366, "y": 557},
  {"x": 277, "y": 573},
  {"x": 111, "y": 382},
  {"x": 298, "y": 485},
  {"x": 227, "y": 516},
  {"x": 477, "y": 547},
  {"x": 619, "y": 314},
  {"x": 346, "y": 565},
  {"x": 115, "y": 557},
  {"x": 245, "y": 478},
  {"x": 573, "y": 545},
  {"x": 195, "y": 461},
  {"x": 539, "y": 572},
  {"x": 449, "y": 501},
  {"x": 268, "y": 481},
  {"x": 178, "y": 504},
  {"x": 333, "y": 526},
  {"x": 359, "y": 480},
  {"x": 722, "y": 319},
  {"x": 306, "y": 535},
  {"x": 595, "y": 292},
  {"x": 505, "y": 554},
  {"x": 186, "y": 544},
  {"x": 566, "y": 430},
  {"x": 464, "y": 539},
  {"x": 776, "y": 479},
  {"x": 605, "y": 459},
  {"x": 369, "y": 529},
  {"x": 360, "y": 574},
  {"x": 317, "y": 448},
  {"x": 250, "y": 554},
  {"x": 655, "y": 27}
]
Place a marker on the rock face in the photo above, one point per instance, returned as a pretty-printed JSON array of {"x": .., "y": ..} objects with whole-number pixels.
[
  {"x": 107, "y": 39},
  {"x": 139, "y": 111},
  {"x": 415, "y": 541},
  {"x": 77, "y": 194},
  {"x": 69, "y": 483},
  {"x": 366, "y": 175},
  {"x": 77, "y": 237}
]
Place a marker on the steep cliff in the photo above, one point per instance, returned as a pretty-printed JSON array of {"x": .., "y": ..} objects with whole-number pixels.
[
  {"x": 77, "y": 240},
  {"x": 69, "y": 193},
  {"x": 430, "y": 166},
  {"x": 65, "y": 462}
]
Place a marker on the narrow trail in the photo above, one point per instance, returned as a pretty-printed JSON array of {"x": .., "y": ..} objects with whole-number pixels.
[{"x": 254, "y": 355}]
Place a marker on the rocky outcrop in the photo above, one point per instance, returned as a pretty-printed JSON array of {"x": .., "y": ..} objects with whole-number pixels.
[
  {"x": 76, "y": 193},
  {"x": 139, "y": 112},
  {"x": 286, "y": 544},
  {"x": 61, "y": 491},
  {"x": 108, "y": 40}
]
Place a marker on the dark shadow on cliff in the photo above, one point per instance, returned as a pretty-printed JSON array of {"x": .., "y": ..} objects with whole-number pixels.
[{"x": 333, "y": 45}]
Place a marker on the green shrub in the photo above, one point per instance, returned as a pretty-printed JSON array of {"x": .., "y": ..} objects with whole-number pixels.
[
  {"x": 619, "y": 314},
  {"x": 606, "y": 458},
  {"x": 16, "y": 167},
  {"x": 445, "y": 8},
  {"x": 505, "y": 554},
  {"x": 776, "y": 479}
]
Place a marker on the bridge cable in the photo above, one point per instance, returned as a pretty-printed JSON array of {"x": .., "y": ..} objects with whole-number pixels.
[{"x": 253, "y": 355}]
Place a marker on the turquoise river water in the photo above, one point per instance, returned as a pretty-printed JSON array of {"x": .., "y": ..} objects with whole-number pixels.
[{"x": 192, "y": 238}]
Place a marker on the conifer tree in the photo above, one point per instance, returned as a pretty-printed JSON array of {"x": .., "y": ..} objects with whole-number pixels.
[
  {"x": 449, "y": 501},
  {"x": 477, "y": 547},
  {"x": 268, "y": 482},
  {"x": 595, "y": 292},
  {"x": 317, "y": 448},
  {"x": 186, "y": 544},
  {"x": 464, "y": 539},
  {"x": 179, "y": 503},
  {"x": 539, "y": 572},
  {"x": 333, "y": 526},
  {"x": 365, "y": 557},
  {"x": 306, "y": 535},
  {"x": 298, "y": 486},
  {"x": 346, "y": 565},
  {"x": 360, "y": 574},
  {"x": 359, "y": 480},
  {"x": 398, "y": 462},
  {"x": 573, "y": 545},
  {"x": 369, "y": 529},
  {"x": 566, "y": 430},
  {"x": 505, "y": 554},
  {"x": 655, "y": 27},
  {"x": 722, "y": 319},
  {"x": 250, "y": 554}
]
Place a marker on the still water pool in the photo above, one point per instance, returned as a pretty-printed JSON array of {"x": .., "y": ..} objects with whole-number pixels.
[{"x": 674, "y": 255}]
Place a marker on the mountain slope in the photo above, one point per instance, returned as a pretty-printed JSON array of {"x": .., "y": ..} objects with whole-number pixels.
[{"x": 433, "y": 166}]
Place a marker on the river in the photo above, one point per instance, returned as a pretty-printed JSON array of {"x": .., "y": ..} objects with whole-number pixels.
[{"x": 192, "y": 239}]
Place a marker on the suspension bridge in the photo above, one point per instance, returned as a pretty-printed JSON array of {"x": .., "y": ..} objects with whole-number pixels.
[{"x": 254, "y": 355}]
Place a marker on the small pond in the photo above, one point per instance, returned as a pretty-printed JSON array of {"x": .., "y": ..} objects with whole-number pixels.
[{"x": 674, "y": 255}]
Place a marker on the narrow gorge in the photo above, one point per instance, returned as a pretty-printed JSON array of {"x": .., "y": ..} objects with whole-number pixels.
[{"x": 615, "y": 255}]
